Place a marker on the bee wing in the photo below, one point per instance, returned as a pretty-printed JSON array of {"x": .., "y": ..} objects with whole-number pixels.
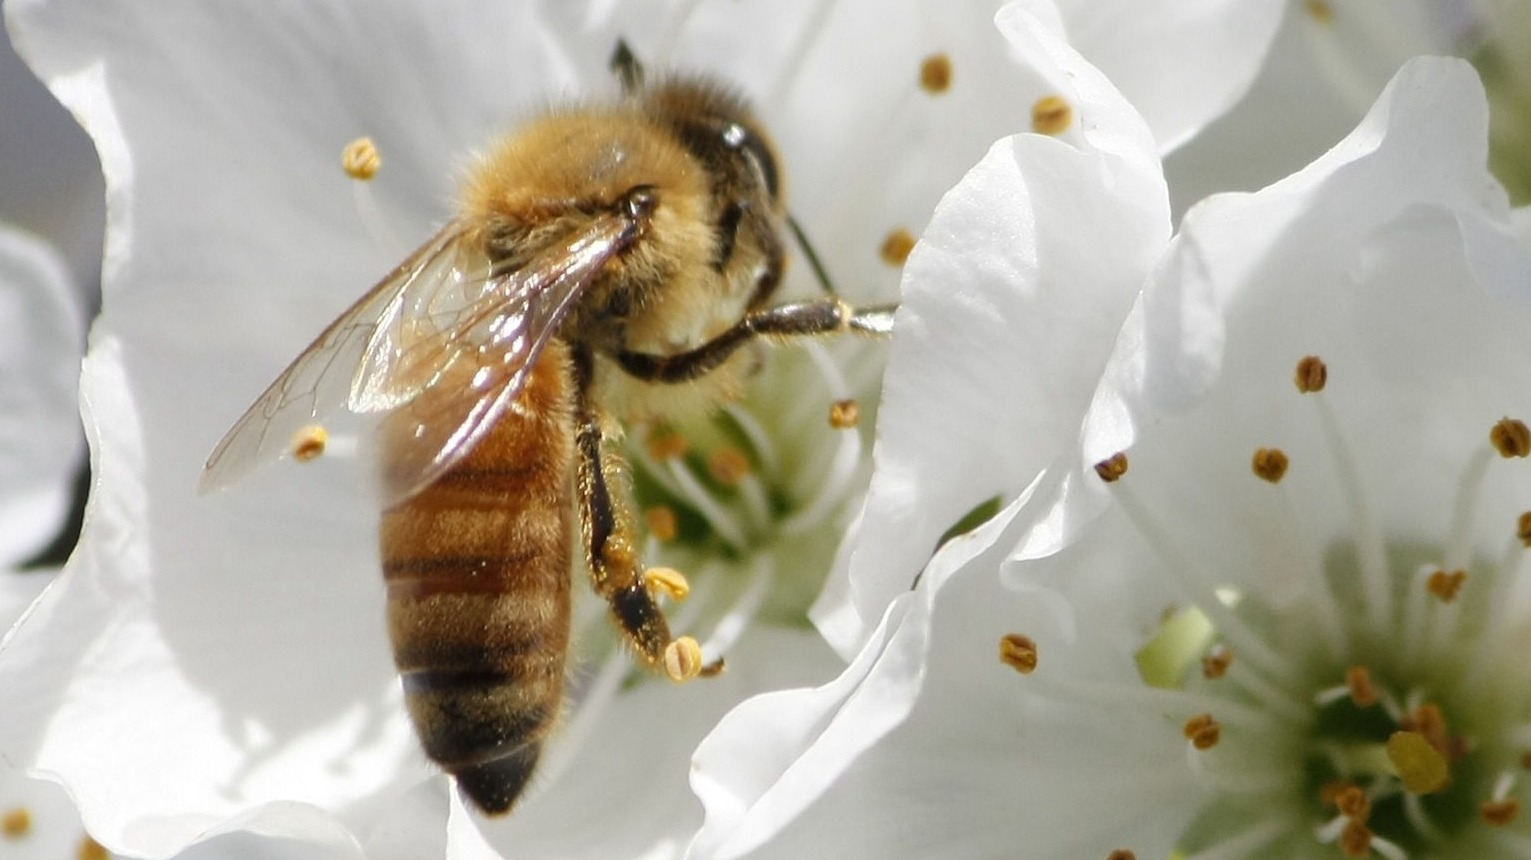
[
  {"x": 322, "y": 377},
  {"x": 452, "y": 384}
]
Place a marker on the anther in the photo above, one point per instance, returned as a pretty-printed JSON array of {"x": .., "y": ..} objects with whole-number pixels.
[
  {"x": 1420, "y": 766},
  {"x": 667, "y": 581},
  {"x": 713, "y": 669},
  {"x": 1355, "y": 840},
  {"x": 662, "y": 522},
  {"x": 844, "y": 414},
  {"x": 309, "y": 443},
  {"x": 1051, "y": 115},
  {"x": 16, "y": 823},
  {"x": 1523, "y": 528},
  {"x": 1329, "y": 794},
  {"x": 1446, "y": 585},
  {"x": 1354, "y": 803},
  {"x": 1320, "y": 11},
  {"x": 1312, "y": 374},
  {"x": 728, "y": 466},
  {"x": 1511, "y": 438},
  {"x": 1270, "y": 464},
  {"x": 361, "y": 159},
  {"x": 683, "y": 659},
  {"x": 1215, "y": 664},
  {"x": 1202, "y": 731},
  {"x": 936, "y": 74},
  {"x": 1018, "y": 652},
  {"x": 896, "y": 247},
  {"x": 667, "y": 446},
  {"x": 1121, "y": 854},
  {"x": 90, "y": 849},
  {"x": 1112, "y": 468},
  {"x": 1362, "y": 692},
  {"x": 1498, "y": 813}
]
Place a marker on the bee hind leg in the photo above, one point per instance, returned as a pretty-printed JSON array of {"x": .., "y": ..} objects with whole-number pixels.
[{"x": 608, "y": 529}]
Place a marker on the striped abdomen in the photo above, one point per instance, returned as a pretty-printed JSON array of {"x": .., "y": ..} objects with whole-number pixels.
[{"x": 478, "y": 568}]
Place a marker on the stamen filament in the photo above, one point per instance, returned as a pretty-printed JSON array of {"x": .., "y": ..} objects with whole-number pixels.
[
  {"x": 1464, "y": 506},
  {"x": 1419, "y": 819},
  {"x": 1369, "y": 546},
  {"x": 757, "y": 507},
  {"x": 760, "y": 441},
  {"x": 1248, "y": 843},
  {"x": 733, "y": 624},
  {"x": 1321, "y": 599},
  {"x": 718, "y": 519}
]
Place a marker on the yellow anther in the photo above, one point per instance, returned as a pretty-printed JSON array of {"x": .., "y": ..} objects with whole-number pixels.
[
  {"x": 1312, "y": 374},
  {"x": 662, "y": 522},
  {"x": 1018, "y": 652},
  {"x": 361, "y": 159},
  {"x": 683, "y": 660},
  {"x": 1270, "y": 464},
  {"x": 1112, "y": 468},
  {"x": 936, "y": 73},
  {"x": 1420, "y": 766},
  {"x": 896, "y": 247},
  {"x": 1355, "y": 840},
  {"x": 90, "y": 849},
  {"x": 1203, "y": 731},
  {"x": 1498, "y": 813},
  {"x": 1511, "y": 438},
  {"x": 1215, "y": 665},
  {"x": 844, "y": 414},
  {"x": 1363, "y": 693},
  {"x": 728, "y": 466},
  {"x": 1320, "y": 11},
  {"x": 667, "y": 581},
  {"x": 667, "y": 446},
  {"x": 16, "y": 823},
  {"x": 309, "y": 443},
  {"x": 1446, "y": 585},
  {"x": 1051, "y": 115}
]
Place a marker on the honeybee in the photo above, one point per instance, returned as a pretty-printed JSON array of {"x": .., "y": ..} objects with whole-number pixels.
[{"x": 602, "y": 256}]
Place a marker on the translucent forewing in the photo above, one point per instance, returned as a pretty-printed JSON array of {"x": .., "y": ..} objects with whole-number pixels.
[{"x": 321, "y": 378}]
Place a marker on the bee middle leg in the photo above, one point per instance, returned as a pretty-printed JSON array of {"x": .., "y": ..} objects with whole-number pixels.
[{"x": 610, "y": 546}]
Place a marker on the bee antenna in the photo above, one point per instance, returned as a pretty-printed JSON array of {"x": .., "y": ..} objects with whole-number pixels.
[
  {"x": 813, "y": 256},
  {"x": 628, "y": 67}
]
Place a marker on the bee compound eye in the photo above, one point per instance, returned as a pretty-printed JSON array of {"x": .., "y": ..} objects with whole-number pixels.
[{"x": 640, "y": 201}]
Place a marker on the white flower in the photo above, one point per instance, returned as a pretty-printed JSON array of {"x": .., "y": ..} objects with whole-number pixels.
[
  {"x": 1396, "y": 259},
  {"x": 218, "y": 664}
]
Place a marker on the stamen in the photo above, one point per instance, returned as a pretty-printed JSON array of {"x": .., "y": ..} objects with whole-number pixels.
[
  {"x": 936, "y": 74},
  {"x": 667, "y": 581},
  {"x": 1355, "y": 839},
  {"x": 1202, "y": 731},
  {"x": 667, "y": 446},
  {"x": 691, "y": 490},
  {"x": 831, "y": 491},
  {"x": 1354, "y": 803},
  {"x": 1312, "y": 374},
  {"x": 1445, "y": 586},
  {"x": 662, "y": 523},
  {"x": 1215, "y": 664},
  {"x": 683, "y": 659},
  {"x": 1469, "y": 489},
  {"x": 1359, "y": 681},
  {"x": 1121, "y": 854},
  {"x": 16, "y": 823},
  {"x": 896, "y": 247},
  {"x": 1270, "y": 464},
  {"x": 760, "y": 441},
  {"x": 1018, "y": 652},
  {"x": 90, "y": 849},
  {"x": 1499, "y": 813},
  {"x": 1112, "y": 468},
  {"x": 309, "y": 443},
  {"x": 1420, "y": 766},
  {"x": 844, "y": 414},
  {"x": 1051, "y": 115},
  {"x": 1511, "y": 438},
  {"x": 360, "y": 159},
  {"x": 1266, "y": 830}
]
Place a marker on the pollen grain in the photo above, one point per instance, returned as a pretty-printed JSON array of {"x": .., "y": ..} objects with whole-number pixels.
[
  {"x": 1270, "y": 464},
  {"x": 1018, "y": 652},
  {"x": 1112, "y": 468},
  {"x": 1312, "y": 374},
  {"x": 360, "y": 159},
  {"x": 1511, "y": 438},
  {"x": 844, "y": 414}
]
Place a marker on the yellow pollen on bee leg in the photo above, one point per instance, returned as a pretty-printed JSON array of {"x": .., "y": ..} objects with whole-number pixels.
[
  {"x": 1511, "y": 438},
  {"x": 1363, "y": 693},
  {"x": 1312, "y": 374},
  {"x": 1018, "y": 652},
  {"x": 728, "y": 466},
  {"x": 309, "y": 443},
  {"x": 16, "y": 823},
  {"x": 936, "y": 74},
  {"x": 1320, "y": 11},
  {"x": 667, "y": 581},
  {"x": 667, "y": 446},
  {"x": 1051, "y": 115},
  {"x": 1355, "y": 840},
  {"x": 1446, "y": 585},
  {"x": 1112, "y": 468},
  {"x": 683, "y": 660},
  {"x": 844, "y": 414},
  {"x": 896, "y": 247},
  {"x": 1270, "y": 464},
  {"x": 1498, "y": 813},
  {"x": 1215, "y": 665},
  {"x": 1203, "y": 731},
  {"x": 662, "y": 523},
  {"x": 1420, "y": 766},
  {"x": 90, "y": 849},
  {"x": 360, "y": 159}
]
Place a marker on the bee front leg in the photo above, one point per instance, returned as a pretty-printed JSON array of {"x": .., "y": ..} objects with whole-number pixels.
[{"x": 611, "y": 549}]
